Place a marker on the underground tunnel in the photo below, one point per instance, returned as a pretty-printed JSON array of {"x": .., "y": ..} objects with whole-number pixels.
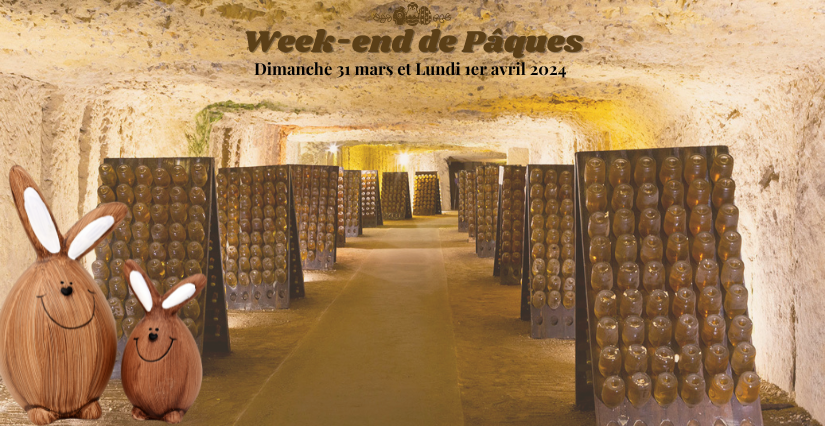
[{"x": 402, "y": 322}]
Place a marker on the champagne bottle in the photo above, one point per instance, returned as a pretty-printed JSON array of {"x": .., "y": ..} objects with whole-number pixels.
[
  {"x": 695, "y": 167},
  {"x": 722, "y": 167},
  {"x": 658, "y": 304},
  {"x": 665, "y": 389},
  {"x": 635, "y": 360},
  {"x": 747, "y": 389},
  {"x": 652, "y": 249},
  {"x": 687, "y": 330},
  {"x": 594, "y": 171},
  {"x": 733, "y": 272},
  {"x": 600, "y": 249},
  {"x": 644, "y": 171},
  {"x": 624, "y": 222},
  {"x": 710, "y": 301},
  {"x": 713, "y": 329},
  {"x": 619, "y": 172},
  {"x": 704, "y": 247},
  {"x": 631, "y": 303},
  {"x": 681, "y": 275},
  {"x": 605, "y": 304},
  {"x": 647, "y": 197},
  {"x": 677, "y": 247},
  {"x": 675, "y": 219},
  {"x": 716, "y": 359},
  {"x": 698, "y": 193},
  {"x": 628, "y": 276},
  {"x": 736, "y": 301},
  {"x": 684, "y": 302},
  {"x": 623, "y": 197},
  {"x": 626, "y": 249},
  {"x": 721, "y": 389},
  {"x": 607, "y": 332},
  {"x": 661, "y": 331},
  {"x": 730, "y": 245},
  {"x": 701, "y": 219},
  {"x": 663, "y": 361},
  {"x": 613, "y": 391},
  {"x": 723, "y": 192},
  {"x": 740, "y": 330},
  {"x": 596, "y": 198},
  {"x": 633, "y": 332},
  {"x": 653, "y": 276},
  {"x": 671, "y": 170},
  {"x": 690, "y": 360},
  {"x": 610, "y": 361},
  {"x": 727, "y": 219},
  {"x": 673, "y": 194},
  {"x": 743, "y": 358},
  {"x": 693, "y": 390},
  {"x": 650, "y": 222},
  {"x": 639, "y": 389},
  {"x": 601, "y": 276}
]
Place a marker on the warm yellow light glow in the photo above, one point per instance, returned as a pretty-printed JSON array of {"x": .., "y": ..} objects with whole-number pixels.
[
  {"x": 333, "y": 148},
  {"x": 403, "y": 159}
]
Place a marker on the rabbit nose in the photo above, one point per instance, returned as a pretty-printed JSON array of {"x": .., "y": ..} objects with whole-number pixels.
[
  {"x": 67, "y": 291},
  {"x": 153, "y": 337}
]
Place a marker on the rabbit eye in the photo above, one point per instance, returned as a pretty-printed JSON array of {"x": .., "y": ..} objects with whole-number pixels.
[{"x": 156, "y": 329}]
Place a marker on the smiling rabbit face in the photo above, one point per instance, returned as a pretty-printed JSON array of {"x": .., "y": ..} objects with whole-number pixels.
[
  {"x": 57, "y": 335},
  {"x": 161, "y": 366}
]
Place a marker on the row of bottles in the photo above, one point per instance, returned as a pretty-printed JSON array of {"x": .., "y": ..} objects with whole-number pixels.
[
  {"x": 427, "y": 199},
  {"x": 486, "y": 203},
  {"x": 370, "y": 204},
  {"x": 351, "y": 196},
  {"x": 470, "y": 203},
  {"x": 462, "y": 200},
  {"x": 511, "y": 245},
  {"x": 165, "y": 232},
  {"x": 667, "y": 281},
  {"x": 395, "y": 196},
  {"x": 253, "y": 218},
  {"x": 552, "y": 237},
  {"x": 315, "y": 191}
]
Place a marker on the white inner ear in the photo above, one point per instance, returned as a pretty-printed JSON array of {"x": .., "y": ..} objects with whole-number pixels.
[
  {"x": 179, "y": 296},
  {"x": 141, "y": 289},
  {"x": 41, "y": 221},
  {"x": 89, "y": 234}
]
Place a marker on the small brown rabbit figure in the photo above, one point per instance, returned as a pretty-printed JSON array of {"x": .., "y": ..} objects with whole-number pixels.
[
  {"x": 57, "y": 333},
  {"x": 161, "y": 367}
]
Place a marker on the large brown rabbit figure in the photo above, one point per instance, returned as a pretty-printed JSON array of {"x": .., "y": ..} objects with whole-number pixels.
[
  {"x": 161, "y": 368},
  {"x": 57, "y": 334}
]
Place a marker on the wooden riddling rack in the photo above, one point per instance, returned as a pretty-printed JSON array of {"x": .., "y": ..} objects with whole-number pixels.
[
  {"x": 395, "y": 196},
  {"x": 340, "y": 231},
  {"x": 462, "y": 201},
  {"x": 680, "y": 254},
  {"x": 352, "y": 203},
  {"x": 486, "y": 209},
  {"x": 551, "y": 299},
  {"x": 370, "y": 200},
  {"x": 169, "y": 231},
  {"x": 510, "y": 238},
  {"x": 258, "y": 238},
  {"x": 427, "y": 200},
  {"x": 315, "y": 190}
]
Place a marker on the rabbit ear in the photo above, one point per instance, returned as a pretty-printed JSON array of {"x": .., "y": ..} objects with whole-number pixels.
[
  {"x": 188, "y": 288},
  {"x": 93, "y": 227},
  {"x": 37, "y": 219},
  {"x": 141, "y": 285}
]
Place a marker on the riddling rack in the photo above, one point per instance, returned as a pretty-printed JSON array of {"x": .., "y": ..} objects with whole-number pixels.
[
  {"x": 258, "y": 238},
  {"x": 510, "y": 238},
  {"x": 370, "y": 200},
  {"x": 427, "y": 200},
  {"x": 470, "y": 205},
  {"x": 340, "y": 230},
  {"x": 684, "y": 248},
  {"x": 462, "y": 201},
  {"x": 352, "y": 203},
  {"x": 486, "y": 212},
  {"x": 172, "y": 204},
  {"x": 315, "y": 190},
  {"x": 549, "y": 287},
  {"x": 395, "y": 196}
]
